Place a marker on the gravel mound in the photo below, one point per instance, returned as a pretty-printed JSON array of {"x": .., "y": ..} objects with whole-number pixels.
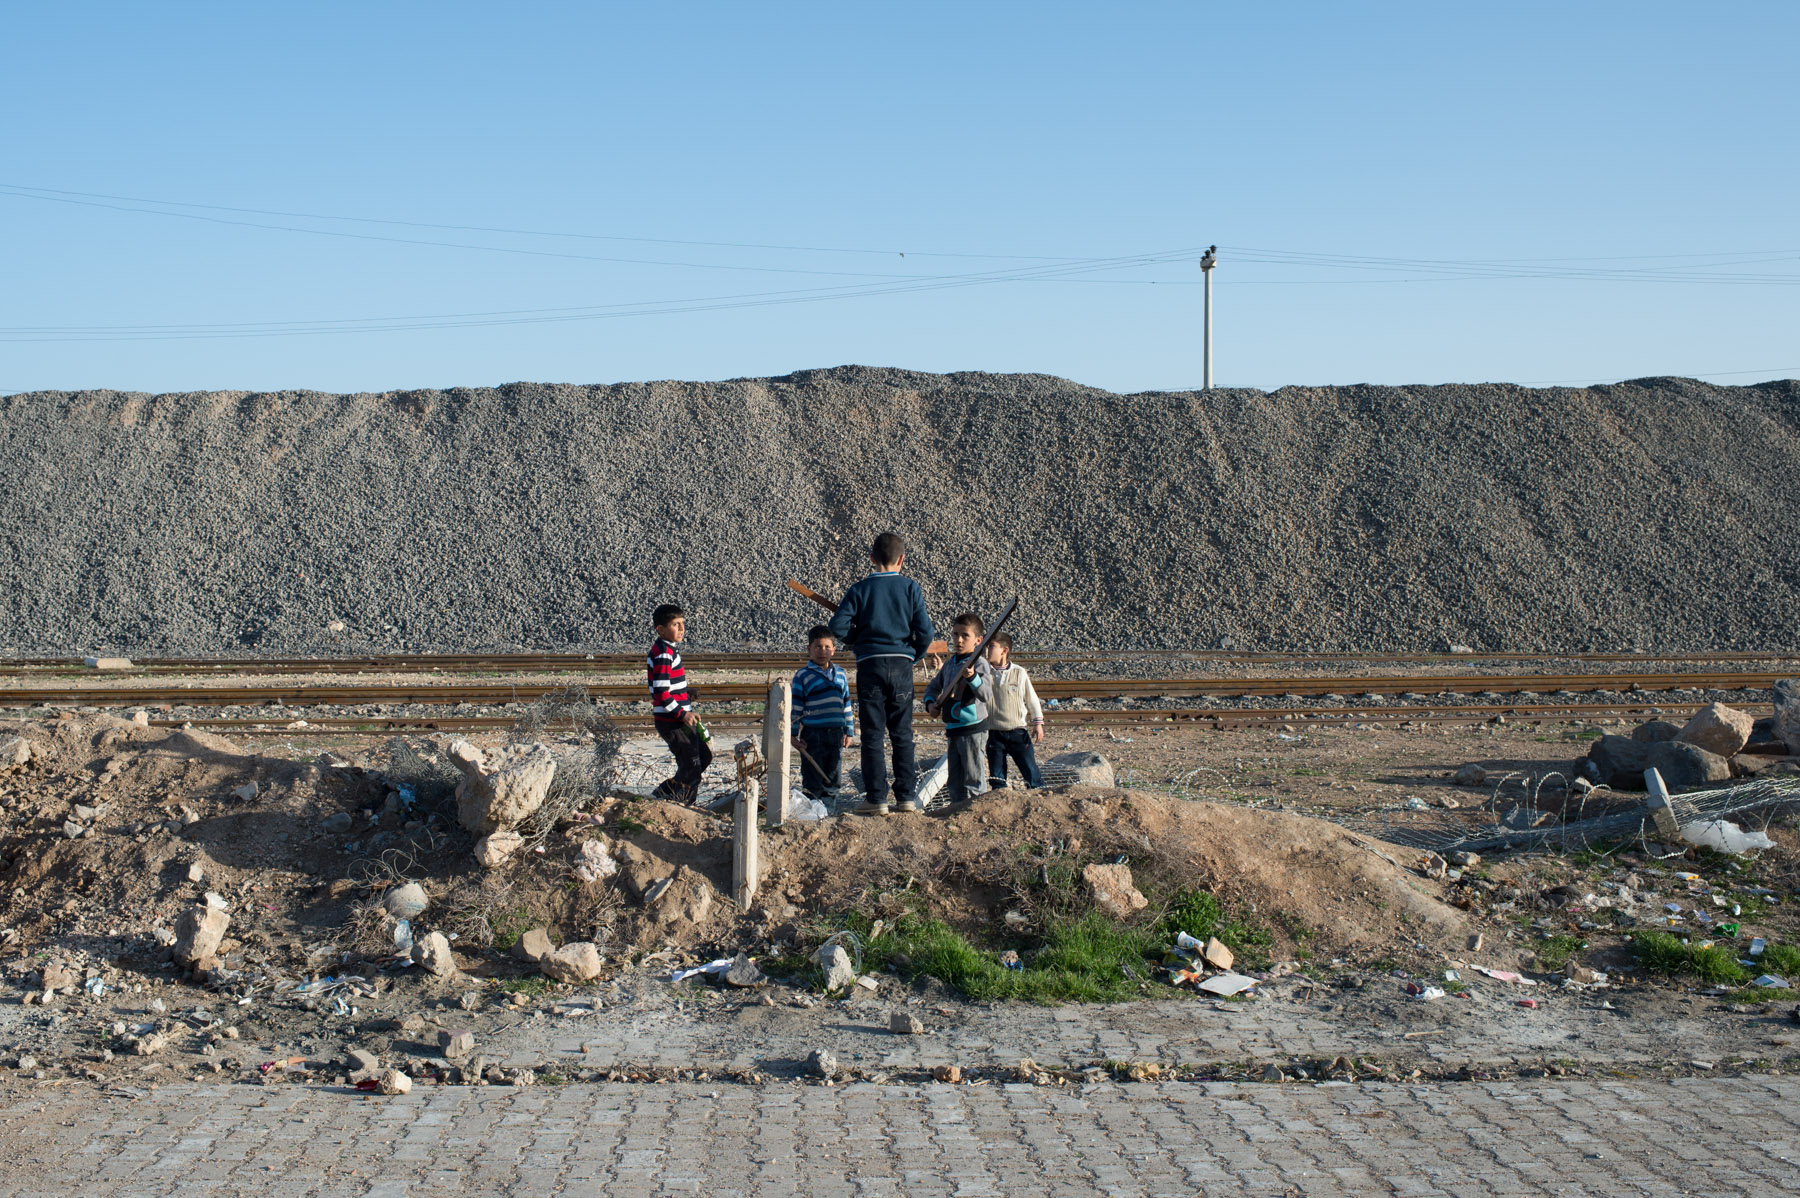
[{"x": 1656, "y": 514}]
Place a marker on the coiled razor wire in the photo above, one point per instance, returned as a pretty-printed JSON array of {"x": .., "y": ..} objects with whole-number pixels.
[{"x": 1602, "y": 820}]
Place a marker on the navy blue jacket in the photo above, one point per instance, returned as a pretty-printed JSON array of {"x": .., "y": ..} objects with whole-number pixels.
[{"x": 883, "y": 616}]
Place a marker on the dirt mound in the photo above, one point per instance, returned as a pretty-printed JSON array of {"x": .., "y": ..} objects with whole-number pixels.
[
  {"x": 112, "y": 829},
  {"x": 541, "y": 516}
]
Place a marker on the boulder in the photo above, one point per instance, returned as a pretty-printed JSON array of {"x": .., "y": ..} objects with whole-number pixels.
[
  {"x": 456, "y": 1046},
  {"x": 905, "y": 1023},
  {"x": 1620, "y": 762},
  {"x": 199, "y": 931},
  {"x": 1114, "y": 890},
  {"x": 497, "y": 848},
  {"x": 1718, "y": 729},
  {"x": 432, "y": 951},
  {"x": 1470, "y": 775},
  {"x": 1079, "y": 769},
  {"x": 578, "y": 962},
  {"x": 1655, "y": 732},
  {"x": 1786, "y": 726},
  {"x": 533, "y": 945},
  {"x": 501, "y": 791}
]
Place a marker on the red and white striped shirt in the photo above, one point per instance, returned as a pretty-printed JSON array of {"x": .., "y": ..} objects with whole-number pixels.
[{"x": 669, "y": 698}]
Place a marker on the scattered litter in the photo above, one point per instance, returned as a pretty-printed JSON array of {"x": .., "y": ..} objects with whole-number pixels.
[
  {"x": 718, "y": 966},
  {"x": 1724, "y": 836},
  {"x": 403, "y": 937},
  {"x": 1526, "y": 1002},
  {"x": 596, "y": 863},
  {"x": 1423, "y": 993},
  {"x": 1450, "y": 975},
  {"x": 1227, "y": 984},
  {"x": 1504, "y": 975},
  {"x": 1415, "y": 803},
  {"x": 1010, "y": 960},
  {"x": 1757, "y": 945},
  {"x": 1770, "y": 982},
  {"x": 96, "y": 987}
]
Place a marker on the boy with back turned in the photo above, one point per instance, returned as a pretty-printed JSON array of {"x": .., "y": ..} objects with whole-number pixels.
[{"x": 882, "y": 620}]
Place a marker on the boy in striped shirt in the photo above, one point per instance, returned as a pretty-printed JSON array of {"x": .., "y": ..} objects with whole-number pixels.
[
  {"x": 673, "y": 707},
  {"x": 821, "y": 716}
]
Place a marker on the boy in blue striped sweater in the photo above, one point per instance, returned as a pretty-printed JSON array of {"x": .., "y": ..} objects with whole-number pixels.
[{"x": 821, "y": 715}]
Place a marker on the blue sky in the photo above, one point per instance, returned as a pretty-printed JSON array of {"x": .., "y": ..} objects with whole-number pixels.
[{"x": 1402, "y": 193}]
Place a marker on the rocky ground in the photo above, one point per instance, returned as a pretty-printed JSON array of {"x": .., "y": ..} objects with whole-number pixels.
[
  {"x": 124, "y": 846},
  {"x": 534, "y": 515}
]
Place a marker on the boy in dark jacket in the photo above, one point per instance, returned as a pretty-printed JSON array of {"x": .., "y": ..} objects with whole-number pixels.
[
  {"x": 882, "y": 620},
  {"x": 673, "y": 708},
  {"x": 965, "y": 721}
]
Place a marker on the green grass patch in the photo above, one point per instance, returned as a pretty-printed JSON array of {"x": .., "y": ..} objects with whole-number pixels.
[
  {"x": 537, "y": 985},
  {"x": 1663, "y": 953},
  {"x": 1199, "y": 915},
  {"x": 1782, "y": 960},
  {"x": 1085, "y": 960},
  {"x": 1553, "y": 952}
]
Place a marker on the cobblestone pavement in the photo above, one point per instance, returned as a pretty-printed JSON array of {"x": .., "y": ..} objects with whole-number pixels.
[{"x": 1738, "y": 1135}]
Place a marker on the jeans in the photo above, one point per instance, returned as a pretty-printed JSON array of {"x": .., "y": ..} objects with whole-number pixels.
[
  {"x": 692, "y": 756},
  {"x": 966, "y": 767},
  {"x": 1015, "y": 743},
  {"x": 884, "y": 710},
  {"x": 824, "y": 745}
]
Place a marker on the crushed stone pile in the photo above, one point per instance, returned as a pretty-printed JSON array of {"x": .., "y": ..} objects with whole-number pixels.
[{"x": 1649, "y": 514}]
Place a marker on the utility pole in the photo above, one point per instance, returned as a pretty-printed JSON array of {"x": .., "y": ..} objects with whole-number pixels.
[{"x": 1207, "y": 262}]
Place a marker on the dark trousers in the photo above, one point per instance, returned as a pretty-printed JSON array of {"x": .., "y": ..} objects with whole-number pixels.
[
  {"x": 1016, "y": 744},
  {"x": 966, "y": 772},
  {"x": 824, "y": 745},
  {"x": 692, "y": 756},
  {"x": 884, "y": 709}
]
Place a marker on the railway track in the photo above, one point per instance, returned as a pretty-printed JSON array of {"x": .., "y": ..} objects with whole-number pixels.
[
  {"x": 517, "y": 663},
  {"x": 1130, "y": 718},
  {"x": 487, "y": 694}
]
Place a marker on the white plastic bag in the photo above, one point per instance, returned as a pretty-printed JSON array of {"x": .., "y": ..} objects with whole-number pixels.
[{"x": 1724, "y": 836}]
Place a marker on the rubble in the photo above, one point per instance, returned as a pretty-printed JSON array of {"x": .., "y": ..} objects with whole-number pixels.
[
  {"x": 1620, "y": 762},
  {"x": 1720, "y": 730},
  {"x": 499, "y": 792},
  {"x": 457, "y": 1046},
  {"x": 577, "y": 962},
  {"x": 1470, "y": 775},
  {"x": 394, "y": 1082},
  {"x": 497, "y": 848},
  {"x": 952, "y": 1074},
  {"x": 432, "y": 952},
  {"x": 840, "y": 973},
  {"x": 744, "y": 973},
  {"x": 199, "y": 932},
  {"x": 905, "y": 1023},
  {"x": 532, "y": 945},
  {"x": 1114, "y": 890},
  {"x": 406, "y": 902},
  {"x": 1786, "y": 726}
]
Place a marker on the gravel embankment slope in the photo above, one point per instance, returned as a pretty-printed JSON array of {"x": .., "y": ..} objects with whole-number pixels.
[{"x": 1658, "y": 513}]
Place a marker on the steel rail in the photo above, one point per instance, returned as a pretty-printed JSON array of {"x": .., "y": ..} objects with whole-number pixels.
[
  {"x": 306, "y": 695},
  {"x": 1189, "y": 717},
  {"x": 463, "y": 663}
]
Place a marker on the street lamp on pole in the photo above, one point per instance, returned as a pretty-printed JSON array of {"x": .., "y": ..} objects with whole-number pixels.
[{"x": 1209, "y": 260}]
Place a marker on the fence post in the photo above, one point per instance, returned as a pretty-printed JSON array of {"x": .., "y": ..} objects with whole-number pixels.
[
  {"x": 745, "y": 818},
  {"x": 778, "y": 751}
]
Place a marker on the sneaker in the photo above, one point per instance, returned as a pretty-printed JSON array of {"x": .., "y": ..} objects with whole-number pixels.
[
  {"x": 908, "y": 805},
  {"x": 873, "y": 809}
]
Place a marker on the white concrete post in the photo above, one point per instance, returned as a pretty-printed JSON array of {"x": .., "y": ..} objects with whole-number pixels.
[{"x": 778, "y": 749}]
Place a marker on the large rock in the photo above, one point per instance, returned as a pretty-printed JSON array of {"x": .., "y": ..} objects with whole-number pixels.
[
  {"x": 1115, "y": 892},
  {"x": 199, "y": 931},
  {"x": 1718, "y": 729},
  {"x": 497, "y": 848},
  {"x": 578, "y": 962},
  {"x": 1655, "y": 732},
  {"x": 433, "y": 953},
  {"x": 1787, "y": 713},
  {"x": 533, "y": 945},
  {"x": 500, "y": 791},
  {"x": 834, "y": 961},
  {"x": 408, "y": 901},
  {"x": 1079, "y": 769},
  {"x": 1620, "y": 763}
]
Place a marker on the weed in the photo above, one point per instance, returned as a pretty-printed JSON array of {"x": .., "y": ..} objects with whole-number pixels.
[
  {"x": 1553, "y": 952},
  {"x": 1782, "y": 960},
  {"x": 1664, "y": 953},
  {"x": 536, "y": 985}
]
